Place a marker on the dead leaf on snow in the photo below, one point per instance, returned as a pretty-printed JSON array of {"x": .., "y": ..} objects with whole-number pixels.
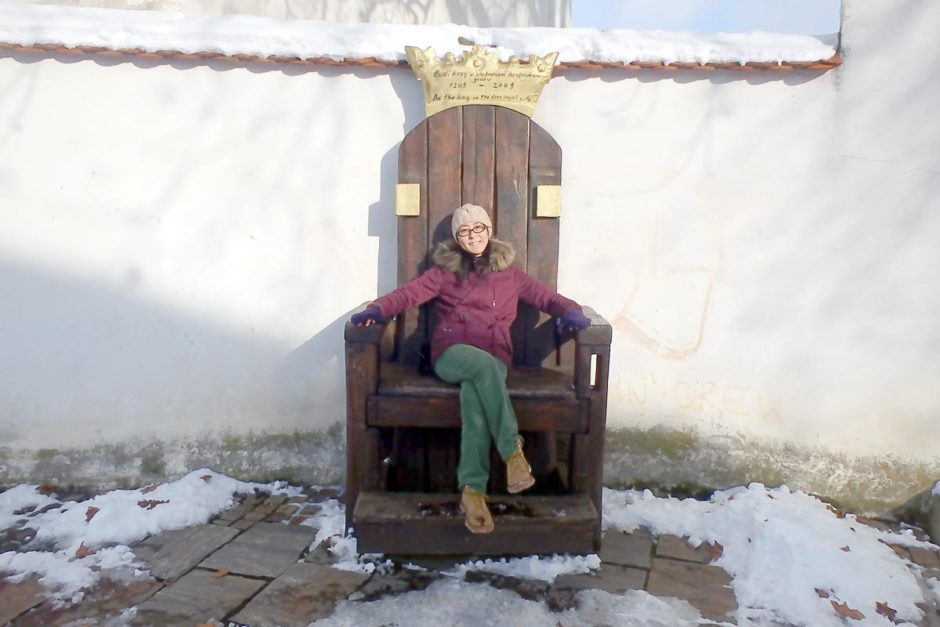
[
  {"x": 843, "y": 610},
  {"x": 822, "y": 594},
  {"x": 148, "y": 489},
  {"x": 206, "y": 478},
  {"x": 886, "y": 610},
  {"x": 846, "y": 548},
  {"x": 84, "y": 551},
  {"x": 835, "y": 510},
  {"x": 90, "y": 512},
  {"x": 220, "y": 572},
  {"x": 150, "y": 504}
]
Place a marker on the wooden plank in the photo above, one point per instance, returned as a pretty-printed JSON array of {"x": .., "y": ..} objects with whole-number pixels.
[
  {"x": 444, "y": 172},
  {"x": 413, "y": 236},
  {"x": 569, "y": 416},
  {"x": 587, "y": 469},
  {"x": 431, "y": 524},
  {"x": 409, "y": 460},
  {"x": 544, "y": 169},
  {"x": 478, "y": 158},
  {"x": 362, "y": 377},
  {"x": 512, "y": 192},
  {"x": 512, "y": 171},
  {"x": 443, "y": 448},
  {"x": 398, "y": 380}
]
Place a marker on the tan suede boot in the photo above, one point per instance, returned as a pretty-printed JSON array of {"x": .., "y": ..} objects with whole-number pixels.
[
  {"x": 518, "y": 472},
  {"x": 473, "y": 505}
]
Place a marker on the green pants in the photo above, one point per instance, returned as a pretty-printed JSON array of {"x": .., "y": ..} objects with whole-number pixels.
[{"x": 485, "y": 413}]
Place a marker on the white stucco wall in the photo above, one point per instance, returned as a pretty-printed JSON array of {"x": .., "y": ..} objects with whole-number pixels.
[
  {"x": 181, "y": 246},
  {"x": 484, "y": 13}
]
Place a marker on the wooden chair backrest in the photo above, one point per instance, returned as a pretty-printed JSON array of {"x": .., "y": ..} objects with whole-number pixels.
[{"x": 493, "y": 157}]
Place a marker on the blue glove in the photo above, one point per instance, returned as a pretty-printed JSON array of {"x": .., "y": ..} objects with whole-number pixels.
[
  {"x": 574, "y": 319},
  {"x": 370, "y": 315}
]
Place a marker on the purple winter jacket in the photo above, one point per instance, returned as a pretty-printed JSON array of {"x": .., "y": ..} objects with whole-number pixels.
[{"x": 479, "y": 310}]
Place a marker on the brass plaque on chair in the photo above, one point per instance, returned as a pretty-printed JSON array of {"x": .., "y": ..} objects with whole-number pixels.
[
  {"x": 548, "y": 201},
  {"x": 408, "y": 199}
]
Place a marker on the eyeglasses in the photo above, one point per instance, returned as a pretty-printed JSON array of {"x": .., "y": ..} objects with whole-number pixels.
[{"x": 466, "y": 230}]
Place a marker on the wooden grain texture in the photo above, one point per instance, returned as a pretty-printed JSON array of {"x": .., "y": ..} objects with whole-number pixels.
[
  {"x": 413, "y": 237},
  {"x": 398, "y": 380},
  {"x": 587, "y": 475},
  {"x": 544, "y": 169},
  {"x": 362, "y": 378},
  {"x": 431, "y": 524},
  {"x": 512, "y": 189},
  {"x": 478, "y": 156},
  {"x": 532, "y": 414},
  {"x": 445, "y": 138}
]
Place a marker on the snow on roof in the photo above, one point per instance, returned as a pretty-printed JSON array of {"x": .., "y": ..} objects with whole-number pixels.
[{"x": 241, "y": 36}]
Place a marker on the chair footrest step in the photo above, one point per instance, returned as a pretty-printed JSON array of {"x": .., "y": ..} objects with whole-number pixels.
[{"x": 409, "y": 523}]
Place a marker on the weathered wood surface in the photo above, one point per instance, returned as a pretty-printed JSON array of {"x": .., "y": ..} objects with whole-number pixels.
[
  {"x": 397, "y": 380},
  {"x": 413, "y": 241},
  {"x": 406, "y": 523},
  {"x": 568, "y": 415},
  {"x": 362, "y": 376}
]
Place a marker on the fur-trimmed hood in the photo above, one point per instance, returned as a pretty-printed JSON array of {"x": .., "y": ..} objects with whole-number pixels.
[{"x": 448, "y": 255}]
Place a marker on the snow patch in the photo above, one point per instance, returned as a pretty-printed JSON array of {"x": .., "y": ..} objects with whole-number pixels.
[
  {"x": 19, "y": 498},
  {"x": 330, "y": 522},
  {"x": 790, "y": 555},
  {"x": 153, "y": 31},
  {"x": 462, "y": 604},
  {"x": 78, "y": 530},
  {"x": 531, "y": 567}
]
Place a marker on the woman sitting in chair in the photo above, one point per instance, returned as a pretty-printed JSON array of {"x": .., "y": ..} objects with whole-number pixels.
[{"x": 477, "y": 290}]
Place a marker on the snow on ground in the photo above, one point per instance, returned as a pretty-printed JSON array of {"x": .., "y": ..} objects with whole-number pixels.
[
  {"x": 532, "y": 566},
  {"x": 153, "y": 31},
  {"x": 78, "y": 532},
  {"x": 461, "y": 604},
  {"x": 791, "y": 556}
]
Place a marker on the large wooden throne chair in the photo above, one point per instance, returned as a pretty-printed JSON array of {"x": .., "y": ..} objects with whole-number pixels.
[{"x": 403, "y": 424}]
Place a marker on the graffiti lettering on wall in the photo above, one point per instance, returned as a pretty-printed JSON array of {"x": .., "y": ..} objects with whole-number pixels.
[
  {"x": 696, "y": 396},
  {"x": 666, "y": 310}
]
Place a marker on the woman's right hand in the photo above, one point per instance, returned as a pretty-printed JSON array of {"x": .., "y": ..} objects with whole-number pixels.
[{"x": 369, "y": 316}]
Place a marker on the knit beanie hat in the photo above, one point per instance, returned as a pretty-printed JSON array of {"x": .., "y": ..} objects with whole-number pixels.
[{"x": 468, "y": 214}]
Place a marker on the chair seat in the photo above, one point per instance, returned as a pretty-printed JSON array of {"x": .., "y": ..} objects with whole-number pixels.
[
  {"x": 543, "y": 399},
  {"x": 400, "y": 380}
]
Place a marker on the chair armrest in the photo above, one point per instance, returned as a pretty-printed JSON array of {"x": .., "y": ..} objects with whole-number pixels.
[
  {"x": 599, "y": 333},
  {"x": 592, "y": 354},
  {"x": 371, "y": 334}
]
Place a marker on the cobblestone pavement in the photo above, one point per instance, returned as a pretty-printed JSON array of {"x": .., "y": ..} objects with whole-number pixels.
[{"x": 252, "y": 565}]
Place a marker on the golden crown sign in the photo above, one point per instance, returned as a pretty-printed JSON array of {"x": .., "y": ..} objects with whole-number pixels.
[{"x": 479, "y": 77}]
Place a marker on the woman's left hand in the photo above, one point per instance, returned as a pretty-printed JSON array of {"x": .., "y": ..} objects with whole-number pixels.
[{"x": 574, "y": 319}]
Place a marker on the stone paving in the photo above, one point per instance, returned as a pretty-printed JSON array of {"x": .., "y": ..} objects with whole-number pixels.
[{"x": 252, "y": 565}]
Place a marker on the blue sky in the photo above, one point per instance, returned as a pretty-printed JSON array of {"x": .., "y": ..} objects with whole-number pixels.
[{"x": 813, "y": 17}]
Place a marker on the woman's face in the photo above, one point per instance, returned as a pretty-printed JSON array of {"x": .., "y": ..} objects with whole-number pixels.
[{"x": 471, "y": 240}]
